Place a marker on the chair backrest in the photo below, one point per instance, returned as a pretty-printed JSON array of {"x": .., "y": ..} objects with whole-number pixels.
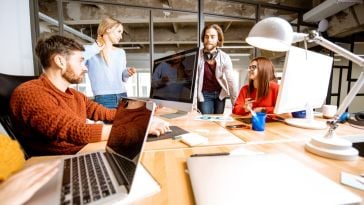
[{"x": 7, "y": 85}]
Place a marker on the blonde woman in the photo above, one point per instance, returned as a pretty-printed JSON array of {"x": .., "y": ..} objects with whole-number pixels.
[{"x": 107, "y": 64}]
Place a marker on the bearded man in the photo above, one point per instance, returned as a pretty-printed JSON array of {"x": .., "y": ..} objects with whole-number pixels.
[
  {"x": 215, "y": 73},
  {"x": 52, "y": 118}
]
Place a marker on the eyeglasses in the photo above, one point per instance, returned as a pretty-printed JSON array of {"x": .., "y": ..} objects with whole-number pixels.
[{"x": 252, "y": 67}]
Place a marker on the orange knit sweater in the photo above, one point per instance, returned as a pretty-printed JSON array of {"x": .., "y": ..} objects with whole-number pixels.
[{"x": 54, "y": 122}]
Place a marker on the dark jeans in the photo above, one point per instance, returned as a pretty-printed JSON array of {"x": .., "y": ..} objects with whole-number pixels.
[
  {"x": 109, "y": 101},
  {"x": 212, "y": 103}
]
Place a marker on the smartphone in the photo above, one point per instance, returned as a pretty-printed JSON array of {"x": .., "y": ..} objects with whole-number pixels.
[
  {"x": 240, "y": 126},
  {"x": 246, "y": 120}
]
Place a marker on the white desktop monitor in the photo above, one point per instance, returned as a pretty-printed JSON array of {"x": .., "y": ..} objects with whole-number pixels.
[
  {"x": 173, "y": 80},
  {"x": 304, "y": 85}
]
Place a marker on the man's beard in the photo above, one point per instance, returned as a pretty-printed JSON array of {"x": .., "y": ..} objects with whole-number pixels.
[
  {"x": 71, "y": 77},
  {"x": 209, "y": 47}
]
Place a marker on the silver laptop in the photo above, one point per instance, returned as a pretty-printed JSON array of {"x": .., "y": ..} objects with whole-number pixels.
[
  {"x": 262, "y": 179},
  {"x": 106, "y": 176}
]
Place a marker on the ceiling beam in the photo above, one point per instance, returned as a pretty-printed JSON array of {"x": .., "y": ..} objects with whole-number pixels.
[
  {"x": 227, "y": 26},
  {"x": 155, "y": 20},
  {"x": 175, "y": 27},
  {"x": 174, "y": 42}
]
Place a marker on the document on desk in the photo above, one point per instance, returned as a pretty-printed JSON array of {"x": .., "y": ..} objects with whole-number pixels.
[
  {"x": 262, "y": 179},
  {"x": 216, "y": 118},
  {"x": 193, "y": 139},
  {"x": 352, "y": 180}
]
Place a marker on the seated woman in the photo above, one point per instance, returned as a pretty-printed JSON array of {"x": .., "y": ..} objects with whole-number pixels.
[{"x": 261, "y": 92}]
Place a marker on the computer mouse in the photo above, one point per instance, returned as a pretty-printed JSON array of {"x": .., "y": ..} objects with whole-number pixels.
[{"x": 359, "y": 116}]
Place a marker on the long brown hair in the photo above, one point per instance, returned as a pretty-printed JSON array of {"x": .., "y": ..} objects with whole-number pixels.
[
  {"x": 265, "y": 75},
  {"x": 220, "y": 34}
]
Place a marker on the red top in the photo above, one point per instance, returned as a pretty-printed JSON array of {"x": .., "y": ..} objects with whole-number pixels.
[
  {"x": 54, "y": 122},
  {"x": 267, "y": 102}
]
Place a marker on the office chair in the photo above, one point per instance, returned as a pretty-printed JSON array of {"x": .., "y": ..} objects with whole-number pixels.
[{"x": 8, "y": 84}]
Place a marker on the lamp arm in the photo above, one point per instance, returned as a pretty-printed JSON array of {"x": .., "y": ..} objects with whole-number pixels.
[
  {"x": 350, "y": 96},
  {"x": 314, "y": 37}
]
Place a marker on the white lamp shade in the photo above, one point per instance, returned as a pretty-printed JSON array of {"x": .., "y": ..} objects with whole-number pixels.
[{"x": 273, "y": 33}]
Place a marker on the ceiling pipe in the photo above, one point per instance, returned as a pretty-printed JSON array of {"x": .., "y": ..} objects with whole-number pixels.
[
  {"x": 54, "y": 22},
  {"x": 327, "y": 9}
]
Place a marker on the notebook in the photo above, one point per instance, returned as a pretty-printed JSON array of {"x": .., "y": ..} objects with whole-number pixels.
[
  {"x": 262, "y": 179},
  {"x": 107, "y": 176}
]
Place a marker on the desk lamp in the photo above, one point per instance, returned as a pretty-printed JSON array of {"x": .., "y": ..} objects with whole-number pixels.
[{"x": 276, "y": 34}]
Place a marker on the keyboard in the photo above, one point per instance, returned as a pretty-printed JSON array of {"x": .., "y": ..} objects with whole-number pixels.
[{"x": 85, "y": 180}]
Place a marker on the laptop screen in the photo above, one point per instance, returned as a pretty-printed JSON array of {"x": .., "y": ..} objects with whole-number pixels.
[{"x": 127, "y": 137}]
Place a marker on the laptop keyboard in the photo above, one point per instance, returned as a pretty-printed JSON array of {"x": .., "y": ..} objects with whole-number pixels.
[{"x": 85, "y": 180}]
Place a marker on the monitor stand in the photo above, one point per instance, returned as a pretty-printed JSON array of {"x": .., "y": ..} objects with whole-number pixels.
[
  {"x": 308, "y": 123},
  {"x": 177, "y": 114}
]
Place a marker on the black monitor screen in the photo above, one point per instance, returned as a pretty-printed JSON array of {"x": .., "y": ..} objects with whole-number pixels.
[{"x": 173, "y": 77}]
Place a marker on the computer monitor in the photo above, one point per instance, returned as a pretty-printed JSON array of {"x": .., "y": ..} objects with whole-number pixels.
[
  {"x": 304, "y": 85},
  {"x": 173, "y": 80}
]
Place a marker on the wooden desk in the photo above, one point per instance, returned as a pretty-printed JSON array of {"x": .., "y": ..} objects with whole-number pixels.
[
  {"x": 168, "y": 168},
  {"x": 278, "y": 131},
  {"x": 166, "y": 159},
  {"x": 216, "y": 134}
]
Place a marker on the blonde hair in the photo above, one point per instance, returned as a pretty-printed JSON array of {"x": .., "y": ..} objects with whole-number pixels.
[{"x": 107, "y": 23}]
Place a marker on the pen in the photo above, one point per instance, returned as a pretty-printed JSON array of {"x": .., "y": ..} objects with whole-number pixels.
[
  {"x": 178, "y": 137},
  {"x": 360, "y": 179},
  {"x": 210, "y": 154}
]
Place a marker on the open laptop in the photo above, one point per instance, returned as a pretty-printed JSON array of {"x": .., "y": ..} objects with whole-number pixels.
[
  {"x": 107, "y": 176},
  {"x": 262, "y": 179}
]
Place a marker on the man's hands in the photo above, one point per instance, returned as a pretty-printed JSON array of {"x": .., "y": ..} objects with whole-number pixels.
[
  {"x": 20, "y": 187},
  {"x": 158, "y": 126}
]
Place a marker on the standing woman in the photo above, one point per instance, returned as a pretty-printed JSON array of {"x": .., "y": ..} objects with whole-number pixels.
[
  {"x": 107, "y": 64},
  {"x": 261, "y": 92},
  {"x": 215, "y": 73}
]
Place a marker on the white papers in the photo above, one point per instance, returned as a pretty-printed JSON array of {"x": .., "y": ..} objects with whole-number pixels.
[
  {"x": 215, "y": 118},
  {"x": 193, "y": 139},
  {"x": 352, "y": 180}
]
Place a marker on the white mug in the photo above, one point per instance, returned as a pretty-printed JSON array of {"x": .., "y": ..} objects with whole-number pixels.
[{"x": 329, "y": 111}]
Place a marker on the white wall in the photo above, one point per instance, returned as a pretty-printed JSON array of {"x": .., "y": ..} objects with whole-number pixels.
[
  {"x": 15, "y": 38},
  {"x": 16, "y": 55}
]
